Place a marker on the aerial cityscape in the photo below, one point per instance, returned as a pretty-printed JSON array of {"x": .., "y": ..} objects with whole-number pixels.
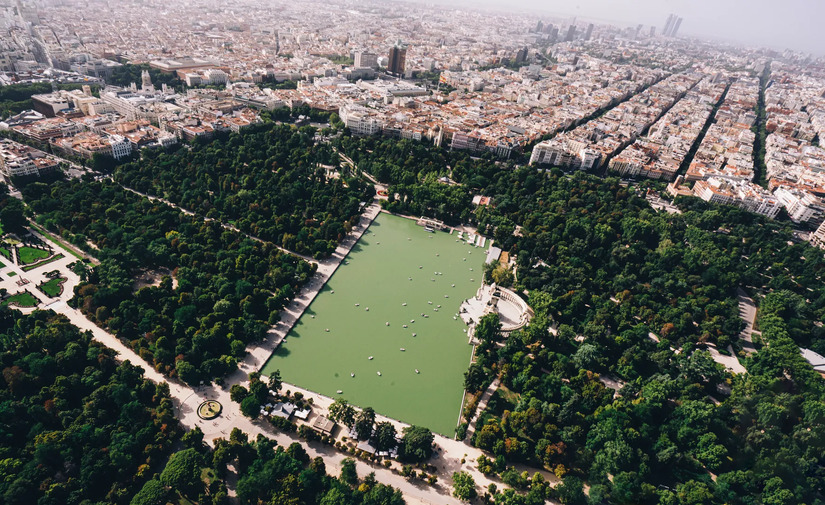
[{"x": 379, "y": 252}]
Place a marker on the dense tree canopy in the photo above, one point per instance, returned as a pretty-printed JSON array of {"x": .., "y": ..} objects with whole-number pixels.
[
  {"x": 229, "y": 288},
  {"x": 636, "y": 299},
  {"x": 126, "y": 75},
  {"x": 267, "y": 181},
  {"x": 76, "y": 426}
]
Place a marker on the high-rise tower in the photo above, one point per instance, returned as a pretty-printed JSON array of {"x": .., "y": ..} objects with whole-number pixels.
[{"x": 397, "y": 59}]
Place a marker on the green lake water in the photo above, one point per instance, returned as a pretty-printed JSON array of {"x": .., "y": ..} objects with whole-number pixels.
[{"x": 376, "y": 275}]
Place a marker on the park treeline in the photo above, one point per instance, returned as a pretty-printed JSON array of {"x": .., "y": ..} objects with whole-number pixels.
[
  {"x": 266, "y": 473},
  {"x": 78, "y": 427},
  {"x": 412, "y": 171},
  {"x": 230, "y": 288},
  {"x": 610, "y": 275},
  {"x": 16, "y": 98},
  {"x": 127, "y": 74},
  {"x": 267, "y": 181}
]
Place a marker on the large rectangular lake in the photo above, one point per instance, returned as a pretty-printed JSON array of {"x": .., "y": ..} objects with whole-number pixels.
[{"x": 394, "y": 263}]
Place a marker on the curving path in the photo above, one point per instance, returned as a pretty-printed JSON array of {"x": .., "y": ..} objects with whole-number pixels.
[
  {"x": 450, "y": 456},
  {"x": 186, "y": 398}
]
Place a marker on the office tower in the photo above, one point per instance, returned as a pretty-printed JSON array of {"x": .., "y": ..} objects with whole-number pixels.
[
  {"x": 365, "y": 59},
  {"x": 397, "y": 59},
  {"x": 652, "y": 31},
  {"x": 668, "y": 24},
  {"x": 676, "y": 27},
  {"x": 571, "y": 33},
  {"x": 539, "y": 27},
  {"x": 521, "y": 55},
  {"x": 589, "y": 32}
]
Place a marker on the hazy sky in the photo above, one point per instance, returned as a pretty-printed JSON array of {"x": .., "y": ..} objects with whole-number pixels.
[{"x": 795, "y": 24}]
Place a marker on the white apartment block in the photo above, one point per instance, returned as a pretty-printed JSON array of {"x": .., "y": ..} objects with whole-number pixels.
[
  {"x": 567, "y": 154},
  {"x": 121, "y": 147},
  {"x": 360, "y": 121},
  {"x": 802, "y": 206},
  {"x": 743, "y": 194},
  {"x": 20, "y": 160}
]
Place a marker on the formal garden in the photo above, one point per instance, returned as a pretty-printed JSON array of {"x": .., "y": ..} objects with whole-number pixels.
[
  {"x": 54, "y": 286},
  {"x": 23, "y": 299}
]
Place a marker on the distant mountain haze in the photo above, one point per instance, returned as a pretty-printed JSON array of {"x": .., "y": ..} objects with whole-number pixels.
[{"x": 778, "y": 24}]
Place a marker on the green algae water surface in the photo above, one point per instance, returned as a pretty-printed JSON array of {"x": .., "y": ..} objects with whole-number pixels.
[{"x": 399, "y": 274}]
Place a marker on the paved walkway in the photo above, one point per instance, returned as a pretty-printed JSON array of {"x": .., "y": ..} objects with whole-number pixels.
[
  {"x": 450, "y": 456},
  {"x": 482, "y": 404},
  {"x": 186, "y": 398},
  {"x": 747, "y": 311},
  {"x": 37, "y": 276},
  {"x": 209, "y": 219}
]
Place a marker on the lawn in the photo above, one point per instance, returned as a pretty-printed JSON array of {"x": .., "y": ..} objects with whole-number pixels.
[
  {"x": 5, "y": 252},
  {"x": 22, "y": 299},
  {"x": 29, "y": 255},
  {"x": 44, "y": 262},
  {"x": 56, "y": 241},
  {"x": 12, "y": 274},
  {"x": 53, "y": 287}
]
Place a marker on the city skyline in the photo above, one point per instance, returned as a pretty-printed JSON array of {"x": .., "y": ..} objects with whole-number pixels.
[{"x": 758, "y": 22}]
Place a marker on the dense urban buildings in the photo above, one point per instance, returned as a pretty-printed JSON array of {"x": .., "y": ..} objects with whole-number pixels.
[{"x": 183, "y": 178}]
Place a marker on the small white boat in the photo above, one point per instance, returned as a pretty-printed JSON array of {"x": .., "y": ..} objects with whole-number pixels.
[
  {"x": 387, "y": 323},
  {"x": 405, "y": 303},
  {"x": 340, "y": 392},
  {"x": 445, "y": 296},
  {"x": 420, "y": 267},
  {"x": 471, "y": 269},
  {"x": 312, "y": 316},
  {"x": 426, "y": 316},
  {"x": 416, "y": 371},
  {"x": 405, "y": 326},
  {"x": 327, "y": 330},
  {"x": 422, "y": 313},
  {"x": 402, "y": 349},
  {"x": 352, "y": 374},
  {"x": 332, "y": 292},
  {"x": 412, "y": 320},
  {"x": 415, "y": 334},
  {"x": 452, "y": 285},
  {"x": 428, "y": 229},
  {"x": 367, "y": 309},
  {"x": 370, "y": 357},
  {"x": 438, "y": 306},
  {"x": 379, "y": 373},
  {"x": 429, "y": 302},
  {"x": 357, "y": 304},
  {"x": 454, "y": 318},
  {"x": 435, "y": 310},
  {"x": 437, "y": 255}
]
